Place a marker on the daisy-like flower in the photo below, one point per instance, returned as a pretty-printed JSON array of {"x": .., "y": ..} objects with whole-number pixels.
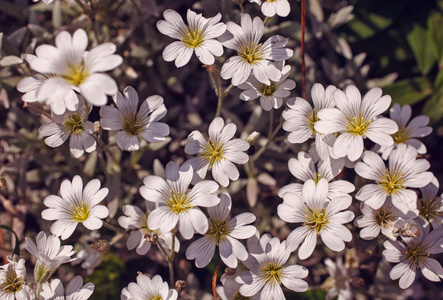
[
  {"x": 224, "y": 234},
  {"x": 404, "y": 171},
  {"x": 385, "y": 219},
  {"x": 301, "y": 117},
  {"x": 68, "y": 67},
  {"x": 339, "y": 275},
  {"x": 13, "y": 281},
  {"x": 229, "y": 289},
  {"x": 76, "y": 205},
  {"x": 356, "y": 119},
  {"x": 199, "y": 35},
  {"x": 50, "y": 255},
  {"x": 271, "y": 96},
  {"x": 149, "y": 289},
  {"x": 414, "y": 253},
  {"x": 319, "y": 217},
  {"x": 304, "y": 169},
  {"x": 178, "y": 204},
  {"x": 73, "y": 125},
  {"x": 252, "y": 55},
  {"x": 430, "y": 206},
  {"x": 408, "y": 131},
  {"x": 136, "y": 219},
  {"x": 272, "y": 7},
  {"x": 75, "y": 290},
  {"x": 218, "y": 153},
  {"x": 132, "y": 124},
  {"x": 267, "y": 271}
]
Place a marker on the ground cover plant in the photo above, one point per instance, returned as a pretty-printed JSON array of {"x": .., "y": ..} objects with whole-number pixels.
[{"x": 221, "y": 149}]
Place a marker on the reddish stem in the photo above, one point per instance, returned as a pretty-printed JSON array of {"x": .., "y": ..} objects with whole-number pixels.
[
  {"x": 214, "y": 280},
  {"x": 3, "y": 245},
  {"x": 303, "y": 66}
]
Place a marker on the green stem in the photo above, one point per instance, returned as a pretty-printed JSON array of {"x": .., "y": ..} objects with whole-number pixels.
[
  {"x": 112, "y": 227},
  {"x": 266, "y": 21},
  {"x": 171, "y": 260},
  {"x": 270, "y": 140},
  {"x": 271, "y": 122},
  {"x": 242, "y": 9},
  {"x": 39, "y": 288}
]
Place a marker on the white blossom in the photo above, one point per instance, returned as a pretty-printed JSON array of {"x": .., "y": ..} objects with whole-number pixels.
[
  {"x": 199, "y": 35},
  {"x": 74, "y": 291},
  {"x": 13, "y": 281},
  {"x": 271, "y": 8},
  {"x": 148, "y": 289}
]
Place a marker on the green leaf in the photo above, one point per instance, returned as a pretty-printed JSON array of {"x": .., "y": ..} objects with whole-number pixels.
[
  {"x": 434, "y": 108},
  {"x": 438, "y": 83},
  {"x": 409, "y": 91},
  {"x": 420, "y": 42},
  {"x": 435, "y": 25},
  {"x": 17, "y": 243}
]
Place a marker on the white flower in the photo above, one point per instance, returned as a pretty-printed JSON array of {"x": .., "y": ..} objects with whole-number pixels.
[
  {"x": 404, "y": 171},
  {"x": 341, "y": 286},
  {"x": 218, "y": 153},
  {"x": 44, "y": 1},
  {"x": 318, "y": 217},
  {"x": 356, "y": 119},
  {"x": 76, "y": 205},
  {"x": 414, "y": 253},
  {"x": 75, "y": 290},
  {"x": 50, "y": 255},
  {"x": 252, "y": 55},
  {"x": 178, "y": 205},
  {"x": 407, "y": 132},
  {"x": 199, "y": 36},
  {"x": 271, "y": 96},
  {"x": 301, "y": 118},
  {"x": 132, "y": 124},
  {"x": 135, "y": 218},
  {"x": 13, "y": 281},
  {"x": 149, "y": 289},
  {"x": 68, "y": 68},
  {"x": 224, "y": 234},
  {"x": 430, "y": 206},
  {"x": 267, "y": 272},
  {"x": 375, "y": 220},
  {"x": 304, "y": 169},
  {"x": 71, "y": 124},
  {"x": 272, "y": 7}
]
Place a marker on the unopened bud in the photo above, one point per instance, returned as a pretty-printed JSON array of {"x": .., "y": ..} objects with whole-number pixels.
[
  {"x": 180, "y": 285},
  {"x": 96, "y": 126},
  {"x": 407, "y": 230},
  {"x": 101, "y": 246},
  {"x": 252, "y": 138},
  {"x": 2, "y": 182},
  {"x": 34, "y": 108},
  {"x": 151, "y": 237},
  {"x": 230, "y": 271}
]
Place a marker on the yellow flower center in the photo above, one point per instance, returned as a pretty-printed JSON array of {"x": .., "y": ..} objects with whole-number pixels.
[
  {"x": 74, "y": 123},
  {"x": 392, "y": 182},
  {"x": 272, "y": 273},
  {"x": 384, "y": 217},
  {"x": 251, "y": 53},
  {"x": 13, "y": 283},
  {"x": 179, "y": 203},
  {"x": 76, "y": 75},
  {"x": 317, "y": 219},
  {"x": 416, "y": 254},
  {"x": 268, "y": 90},
  {"x": 430, "y": 209},
  {"x": 311, "y": 121},
  {"x": 192, "y": 38},
  {"x": 156, "y": 298},
  {"x": 218, "y": 230},
  {"x": 132, "y": 126},
  {"x": 401, "y": 136},
  {"x": 212, "y": 152},
  {"x": 357, "y": 125},
  {"x": 80, "y": 212}
]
